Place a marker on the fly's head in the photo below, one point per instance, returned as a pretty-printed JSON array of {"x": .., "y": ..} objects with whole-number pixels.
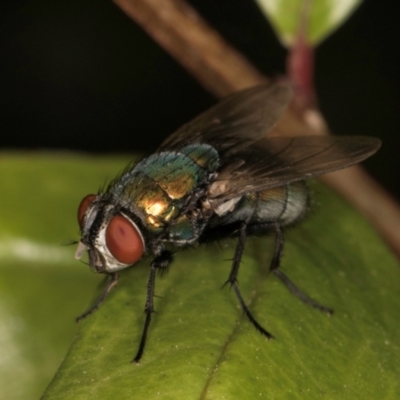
[{"x": 113, "y": 241}]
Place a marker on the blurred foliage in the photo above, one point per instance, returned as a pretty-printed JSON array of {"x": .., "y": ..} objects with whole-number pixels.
[
  {"x": 322, "y": 17},
  {"x": 42, "y": 287}
]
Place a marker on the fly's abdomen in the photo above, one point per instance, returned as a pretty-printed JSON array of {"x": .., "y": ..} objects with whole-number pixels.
[
  {"x": 285, "y": 207},
  {"x": 285, "y": 204}
]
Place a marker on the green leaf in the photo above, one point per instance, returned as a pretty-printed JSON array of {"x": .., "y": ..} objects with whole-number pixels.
[
  {"x": 199, "y": 344},
  {"x": 322, "y": 17},
  {"x": 42, "y": 287}
]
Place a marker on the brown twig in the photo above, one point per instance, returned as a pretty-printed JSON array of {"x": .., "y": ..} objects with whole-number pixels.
[{"x": 221, "y": 69}]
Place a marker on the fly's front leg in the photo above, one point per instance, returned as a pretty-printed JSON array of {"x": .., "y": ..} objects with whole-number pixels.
[
  {"x": 160, "y": 262},
  {"x": 232, "y": 280},
  {"x": 110, "y": 284},
  {"x": 274, "y": 267}
]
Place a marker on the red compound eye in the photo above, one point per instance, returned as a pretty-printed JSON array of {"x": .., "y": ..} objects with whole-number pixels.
[
  {"x": 83, "y": 207},
  {"x": 124, "y": 240}
]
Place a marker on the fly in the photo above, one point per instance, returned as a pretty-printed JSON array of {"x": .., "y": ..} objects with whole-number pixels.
[{"x": 221, "y": 175}]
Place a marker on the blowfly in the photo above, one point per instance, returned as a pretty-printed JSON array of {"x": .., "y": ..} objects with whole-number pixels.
[{"x": 221, "y": 175}]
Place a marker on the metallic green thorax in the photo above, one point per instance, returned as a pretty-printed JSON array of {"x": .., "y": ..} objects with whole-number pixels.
[{"x": 158, "y": 187}]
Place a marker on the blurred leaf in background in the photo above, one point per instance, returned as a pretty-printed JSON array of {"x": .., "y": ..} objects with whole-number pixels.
[
  {"x": 323, "y": 17},
  {"x": 42, "y": 287}
]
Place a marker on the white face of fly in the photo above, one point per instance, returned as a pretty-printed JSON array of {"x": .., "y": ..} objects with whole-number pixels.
[{"x": 113, "y": 241}]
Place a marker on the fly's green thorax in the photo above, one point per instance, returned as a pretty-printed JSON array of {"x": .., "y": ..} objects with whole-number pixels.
[{"x": 157, "y": 188}]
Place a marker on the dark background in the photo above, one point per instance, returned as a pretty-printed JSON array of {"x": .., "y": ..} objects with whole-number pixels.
[{"x": 80, "y": 75}]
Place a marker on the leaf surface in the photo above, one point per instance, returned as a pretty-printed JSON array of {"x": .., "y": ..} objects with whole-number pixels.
[{"x": 200, "y": 346}]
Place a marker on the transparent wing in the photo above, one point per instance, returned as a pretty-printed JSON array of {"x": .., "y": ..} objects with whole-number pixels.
[
  {"x": 276, "y": 161},
  {"x": 236, "y": 121}
]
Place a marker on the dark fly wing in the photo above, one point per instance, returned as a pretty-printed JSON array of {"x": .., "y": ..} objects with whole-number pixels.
[
  {"x": 236, "y": 121},
  {"x": 276, "y": 161}
]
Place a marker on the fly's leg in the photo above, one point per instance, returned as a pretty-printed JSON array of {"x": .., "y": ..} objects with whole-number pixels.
[
  {"x": 110, "y": 284},
  {"x": 232, "y": 280},
  {"x": 274, "y": 267},
  {"x": 160, "y": 262}
]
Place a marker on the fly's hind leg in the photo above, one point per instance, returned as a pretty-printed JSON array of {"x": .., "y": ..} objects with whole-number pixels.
[
  {"x": 113, "y": 279},
  {"x": 232, "y": 280},
  {"x": 274, "y": 267}
]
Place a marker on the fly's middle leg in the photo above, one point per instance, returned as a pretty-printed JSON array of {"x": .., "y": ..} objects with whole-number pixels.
[{"x": 232, "y": 280}]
